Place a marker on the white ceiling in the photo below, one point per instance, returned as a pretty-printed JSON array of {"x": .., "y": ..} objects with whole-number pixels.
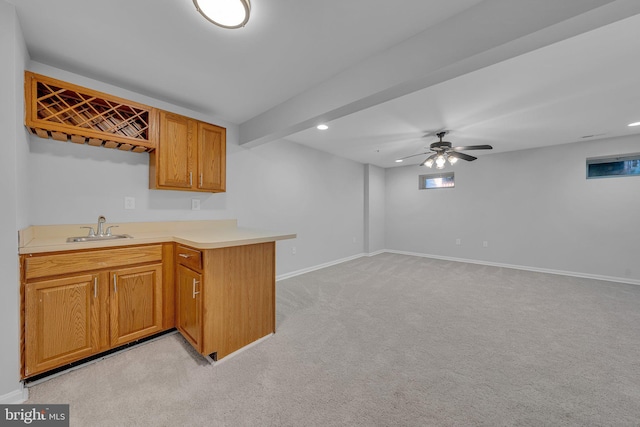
[{"x": 515, "y": 74}]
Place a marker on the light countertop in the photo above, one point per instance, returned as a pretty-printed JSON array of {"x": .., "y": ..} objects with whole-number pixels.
[{"x": 198, "y": 234}]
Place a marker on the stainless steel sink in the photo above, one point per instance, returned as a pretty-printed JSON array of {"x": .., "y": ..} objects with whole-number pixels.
[{"x": 98, "y": 238}]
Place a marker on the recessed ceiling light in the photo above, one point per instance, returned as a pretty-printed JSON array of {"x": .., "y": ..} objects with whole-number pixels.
[
  {"x": 322, "y": 127},
  {"x": 634, "y": 124},
  {"x": 399, "y": 161},
  {"x": 225, "y": 13}
]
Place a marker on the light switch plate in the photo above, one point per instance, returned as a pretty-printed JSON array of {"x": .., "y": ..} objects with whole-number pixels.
[{"x": 195, "y": 204}]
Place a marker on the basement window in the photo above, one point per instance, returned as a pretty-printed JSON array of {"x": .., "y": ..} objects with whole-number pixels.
[
  {"x": 436, "y": 180},
  {"x": 614, "y": 166}
]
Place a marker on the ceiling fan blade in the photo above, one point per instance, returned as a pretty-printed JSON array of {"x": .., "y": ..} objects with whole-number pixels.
[
  {"x": 461, "y": 156},
  {"x": 433, "y": 156},
  {"x": 473, "y": 147},
  {"x": 413, "y": 155}
]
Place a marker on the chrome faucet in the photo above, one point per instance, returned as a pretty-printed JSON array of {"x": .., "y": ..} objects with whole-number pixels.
[
  {"x": 101, "y": 221},
  {"x": 100, "y": 231}
]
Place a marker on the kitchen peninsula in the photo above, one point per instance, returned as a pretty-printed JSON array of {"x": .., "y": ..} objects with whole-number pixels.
[{"x": 212, "y": 280}]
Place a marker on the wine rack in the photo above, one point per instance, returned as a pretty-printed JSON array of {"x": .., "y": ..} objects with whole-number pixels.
[{"x": 66, "y": 112}]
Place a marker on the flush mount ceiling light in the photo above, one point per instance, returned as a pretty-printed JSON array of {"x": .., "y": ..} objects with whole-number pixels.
[
  {"x": 225, "y": 13},
  {"x": 634, "y": 124},
  {"x": 322, "y": 127}
]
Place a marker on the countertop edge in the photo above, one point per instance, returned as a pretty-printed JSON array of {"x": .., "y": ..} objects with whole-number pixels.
[{"x": 226, "y": 241}]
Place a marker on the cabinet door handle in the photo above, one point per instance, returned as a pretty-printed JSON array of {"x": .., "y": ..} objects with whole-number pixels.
[
  {"x": 200, "y": 180},
  {"x": 184, "y": 255},
  {"x": 195, "y": 282},
  {"x": 190, "y": 179},
  {"x": 95, "y": 287},
  {"x": 115, "y": 284}
]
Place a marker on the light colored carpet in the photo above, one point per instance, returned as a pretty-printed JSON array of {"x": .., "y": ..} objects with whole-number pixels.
[{"x": 392, "y": 340}]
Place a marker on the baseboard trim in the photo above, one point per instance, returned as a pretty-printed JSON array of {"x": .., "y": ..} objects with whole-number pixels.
[
  {"x": 17, "y": 396},
  {"x": 318, "y": 267},
  {"x": 381, "y": 251},
  {"x": 522, "y": 267}
]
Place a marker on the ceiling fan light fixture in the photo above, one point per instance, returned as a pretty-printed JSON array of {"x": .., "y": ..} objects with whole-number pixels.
[
  {"x": 225, "y": 13},
  {"x": 452, "y": 160},
  {"x": 440, "y": 161},
  {"x": 429, "y": 163}
]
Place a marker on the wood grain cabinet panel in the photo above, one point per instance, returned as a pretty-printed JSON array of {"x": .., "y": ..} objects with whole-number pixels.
[
  {"x": 174, "y": 160},
  {"x": 136, "y": 303},
  {"x": 189, "y": 305},
  {"x": 190, "y": 155},
  {"x": 62, "y": 321},
  {"x": 211, "y": 157}
]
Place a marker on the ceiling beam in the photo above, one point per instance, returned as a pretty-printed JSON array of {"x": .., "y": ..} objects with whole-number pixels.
[{"x": 490, "y": 32}]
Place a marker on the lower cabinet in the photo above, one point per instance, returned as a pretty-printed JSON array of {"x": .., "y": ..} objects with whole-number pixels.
[
  {"x": 62, "y": 322},
  {"x": 225, "y": 297},
  {"x": 76, "y": 315},
  {"x": 80, "y": 303},
  {"x": 189, "y": 305},
  {"x": 136, "y": 303}
]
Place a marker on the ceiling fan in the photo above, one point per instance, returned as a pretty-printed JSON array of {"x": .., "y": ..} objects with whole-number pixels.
[{"x": 442, "y": 151}]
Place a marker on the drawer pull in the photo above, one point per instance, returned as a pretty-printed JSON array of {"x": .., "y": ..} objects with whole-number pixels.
[
  {"x": 195, "y": 282},
  {"x": 184, "y": 255}
]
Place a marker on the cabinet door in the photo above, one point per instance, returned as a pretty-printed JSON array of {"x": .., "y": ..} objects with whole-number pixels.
[
  {"x": 136, "y": 303},
  {"x": 211, "y": 157},
  {"x": 62, "y": 322},
  {"x": 174, "y": 154},
  {"x": 188, "y": 316}
]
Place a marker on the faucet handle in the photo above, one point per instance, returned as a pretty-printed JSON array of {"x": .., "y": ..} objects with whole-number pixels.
[
  {"x": 108, "y": 232},
  {"x": 91, "y": 232}
]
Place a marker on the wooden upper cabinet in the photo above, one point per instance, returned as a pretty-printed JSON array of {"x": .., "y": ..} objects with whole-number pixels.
[
  {"x": 191, "y": 155},
  {"x": 212, "y": 153},
  {"x": 67, "y": 112},
  {"x": 174, "y": 165}
]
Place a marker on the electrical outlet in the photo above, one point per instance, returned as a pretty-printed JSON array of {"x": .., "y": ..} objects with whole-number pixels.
[
  {"x": 293, "y": 250},
  {"x": 129, "y": 202},
  {"x": 458, "y": 241},
  {"x": 195, "y": 204},
  {"x": 485, "y": 244}
]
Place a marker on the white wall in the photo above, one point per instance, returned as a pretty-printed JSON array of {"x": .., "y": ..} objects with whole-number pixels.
[
  {"x": 286, "y": 186},
  {"x": 534, "y": 208},
  {"x": 13, "y": 206},
  {"x": 374, "y": 213}
]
